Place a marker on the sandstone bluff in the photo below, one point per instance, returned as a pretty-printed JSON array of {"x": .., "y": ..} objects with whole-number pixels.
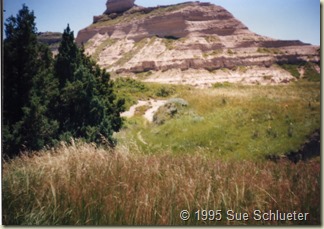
[{"x": 191, "y": 43}]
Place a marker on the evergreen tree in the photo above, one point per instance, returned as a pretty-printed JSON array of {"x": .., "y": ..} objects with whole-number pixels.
[
  {"x": 45, "y": 100},
  {"x": 29, "y": 87},
  {"x": 68, "y": 58},
  {"x": 87, "y": 107}
]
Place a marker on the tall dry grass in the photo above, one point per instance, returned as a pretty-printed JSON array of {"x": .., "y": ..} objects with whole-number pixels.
[{"x": 84, "y": 185}]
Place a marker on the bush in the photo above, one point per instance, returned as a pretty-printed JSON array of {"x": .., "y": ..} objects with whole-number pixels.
[
  {"x": 311, "y": 74},
  {"x": 164, "y": 91},
  {"x": 292, "y": 69},
  {"x": 170, "y": 109}
]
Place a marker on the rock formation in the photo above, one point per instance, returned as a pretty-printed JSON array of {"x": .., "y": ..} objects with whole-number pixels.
[
  {"x": 189, "y": 41},
  {"x": 52, "y": 39},
  {"x": 118, "y": 6}
]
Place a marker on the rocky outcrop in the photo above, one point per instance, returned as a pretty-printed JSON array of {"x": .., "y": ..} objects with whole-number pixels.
[
  {"x": 52, "y": 39},
  {"x": 118, "y": 6},
  {"x": 188, "y": 36}
]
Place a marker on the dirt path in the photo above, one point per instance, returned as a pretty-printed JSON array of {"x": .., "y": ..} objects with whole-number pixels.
[
  {"x": 131, "y": 111},
  {"x": 154, "y": 106},
  {"x": 140, "y": 137}
]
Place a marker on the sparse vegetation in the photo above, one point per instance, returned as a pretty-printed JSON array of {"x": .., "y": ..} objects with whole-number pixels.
[
  {"x": 212, "y": 39},
  {"x": 221, "y": 85},
  {"x": 141, "y": 110},
  {"x": 101, "y": 47},
  {"x": 138, "y": 46},
  {"x": 137, "y": 15},
  {"x": 143, "y": 75},
  {"x": 292, "y": 69},
  {"x": 241, "y": 69},
  {"x": 269, "y": 50},
  {"x": 215, "y": 52},
  {"x": 267, "y": 77},
  {"x": 169, "y": 42},
  {"x": 310, "y": 72},
  {"x": 230, "y": 52},
  {"x": 165, "y": 91}
]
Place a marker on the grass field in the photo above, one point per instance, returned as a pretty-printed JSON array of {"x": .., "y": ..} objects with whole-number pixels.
[
  {"x": 233, "y": 121},
  {"x": 210, "y": 154}
]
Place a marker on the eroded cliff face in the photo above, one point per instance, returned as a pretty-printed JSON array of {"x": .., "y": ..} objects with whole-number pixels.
[{"x": 190, "y": 43}]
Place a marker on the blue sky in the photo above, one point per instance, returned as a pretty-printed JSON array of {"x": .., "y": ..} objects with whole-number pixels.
[{"x": 280, "y": 19}]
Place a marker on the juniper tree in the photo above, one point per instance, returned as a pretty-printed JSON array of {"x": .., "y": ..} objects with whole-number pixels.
[
  {"x": 28, "y": 86},
  {"x": 87, "y": 106}
]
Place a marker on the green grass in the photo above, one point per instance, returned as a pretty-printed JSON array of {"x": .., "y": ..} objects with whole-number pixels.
[
  {"x": 310, "y": 73},
  {"x": 292, "y": 69},
  {"x": 133, "y": 90},
  {"x": 236, "y": 121},
  {"x": 209, "y": 155}
]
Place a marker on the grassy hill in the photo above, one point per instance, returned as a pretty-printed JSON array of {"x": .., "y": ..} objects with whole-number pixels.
[
  {"x": 229, "y": 121},
  {"x": 207, "y": 154}
]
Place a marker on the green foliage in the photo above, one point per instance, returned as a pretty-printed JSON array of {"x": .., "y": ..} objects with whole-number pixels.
[
  {"x": 173, "y": 107},
  {"x": 234, "y": 121},
  {"x": 164, "y": 91},
  {"x": 47, "y": 101},
  {"x": 29, "y": 87},
  {"x": 292, "y": 69},
  {"x": 86, "y": 106},
  {"x": 68, "y": 58},
  {"x": 132, "y": 90},
  {"x": 311, "y": 74},
  {"x": 221, "y": 85}
]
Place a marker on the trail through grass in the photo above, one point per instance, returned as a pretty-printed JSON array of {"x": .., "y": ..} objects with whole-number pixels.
[
  {"x": 236, "y": 121},
  {"x": 210, "y": 154}
]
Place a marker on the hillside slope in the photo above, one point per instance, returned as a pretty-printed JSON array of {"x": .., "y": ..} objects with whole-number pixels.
[{"x": 193, "y": 43}]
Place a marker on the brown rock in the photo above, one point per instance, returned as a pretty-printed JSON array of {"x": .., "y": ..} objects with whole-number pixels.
[
  {"x": 185, "y": 36},
  {"x": 118, "y": 6}
]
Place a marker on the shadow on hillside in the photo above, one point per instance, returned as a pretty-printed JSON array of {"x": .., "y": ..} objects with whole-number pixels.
[{"x": 311, "y": 148}]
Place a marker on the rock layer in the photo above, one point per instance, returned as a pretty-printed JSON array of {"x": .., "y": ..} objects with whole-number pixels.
[
  {"x": 186, "y": 37},
  {"x": 118, "y": 6}
]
